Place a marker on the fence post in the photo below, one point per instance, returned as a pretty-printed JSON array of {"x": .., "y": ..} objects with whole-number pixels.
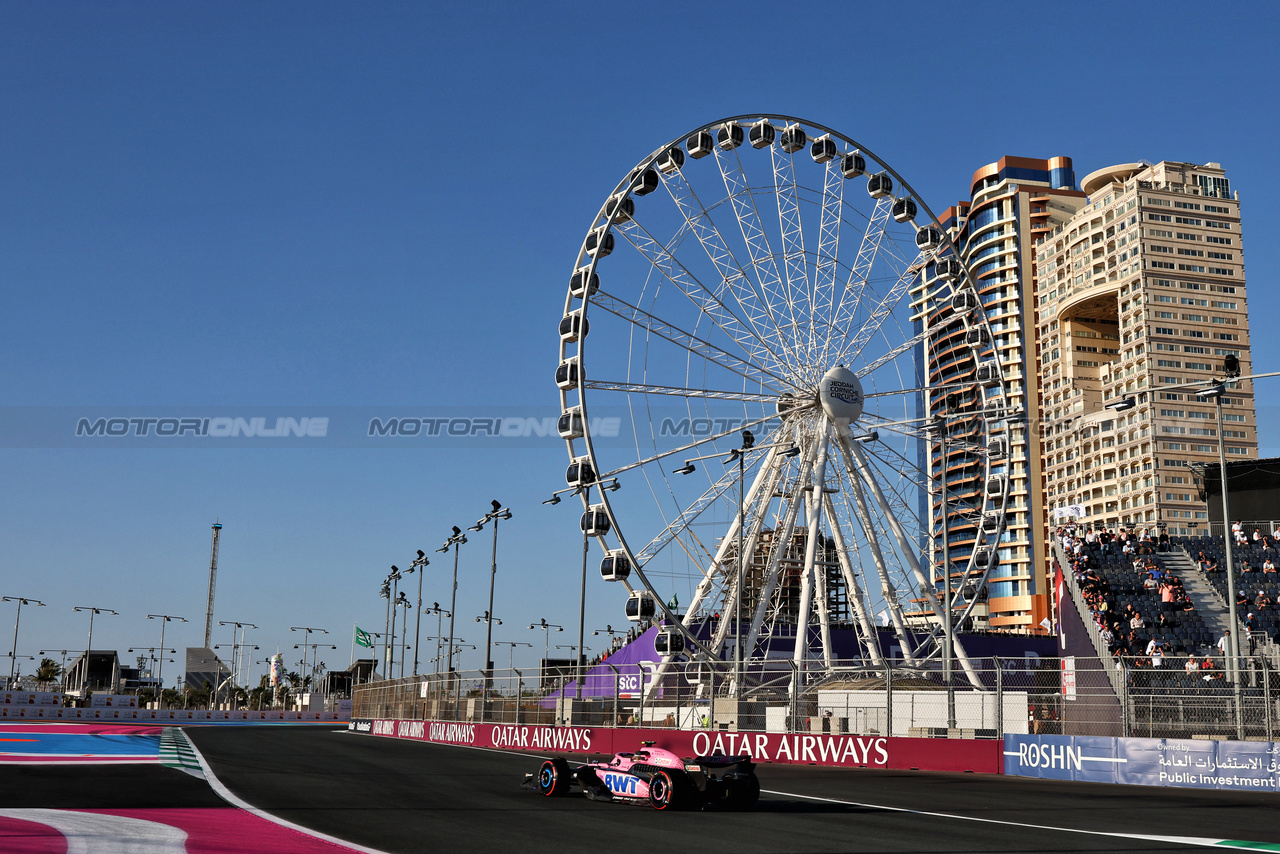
[
  {"x": 1266, "y": 693},
  {"x": 1000, "y": 698},
  {"x": 1125, "y": 707},
  {"x": 457, "y": 697},
  {"x": 614, "y": 722},
  {"x": 888, "y": 698},
  {"x": 795, "y": 697}
]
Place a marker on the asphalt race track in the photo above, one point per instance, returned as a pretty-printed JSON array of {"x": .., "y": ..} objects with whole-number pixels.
[{"x": 402, "y": 796}]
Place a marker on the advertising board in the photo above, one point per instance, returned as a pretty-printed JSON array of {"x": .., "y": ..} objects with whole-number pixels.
[
  {"x": 863, "y": 751},
  {"x": 1231, "y": 765}
]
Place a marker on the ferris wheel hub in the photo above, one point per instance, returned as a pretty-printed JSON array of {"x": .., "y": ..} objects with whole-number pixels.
[{"x": 841, "y": 395}]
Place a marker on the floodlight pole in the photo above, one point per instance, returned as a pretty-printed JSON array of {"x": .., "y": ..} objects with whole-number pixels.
[{"x": 13, "y": 657}]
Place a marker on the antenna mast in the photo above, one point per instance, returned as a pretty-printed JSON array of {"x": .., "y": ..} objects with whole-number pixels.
[{"x": 213, "y": 578}]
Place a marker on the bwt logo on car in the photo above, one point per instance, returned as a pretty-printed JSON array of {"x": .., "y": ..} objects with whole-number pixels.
[{"x": 623, "y": 784}]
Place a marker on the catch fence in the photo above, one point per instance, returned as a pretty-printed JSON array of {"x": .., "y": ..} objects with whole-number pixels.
[{"x": 1130, "y": 697}]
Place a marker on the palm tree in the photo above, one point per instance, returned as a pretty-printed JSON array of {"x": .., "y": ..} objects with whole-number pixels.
[{"x": 48, "y": 672}]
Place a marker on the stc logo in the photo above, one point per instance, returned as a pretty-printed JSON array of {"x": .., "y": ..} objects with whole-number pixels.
[{"x": 622, "y": 784}]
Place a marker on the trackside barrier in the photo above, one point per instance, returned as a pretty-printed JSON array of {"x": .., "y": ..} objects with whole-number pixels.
[
  {"x": 58, "y": 713},
  {"x": 1198, "y": 764},
  {"x": 917, "y": 754}
]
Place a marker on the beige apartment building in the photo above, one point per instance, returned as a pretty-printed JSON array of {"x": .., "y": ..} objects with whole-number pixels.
[{"x": 1137, "y": 294}]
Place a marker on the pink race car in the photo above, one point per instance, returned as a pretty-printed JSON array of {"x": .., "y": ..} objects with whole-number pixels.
[{"x": 656, "y": 776}]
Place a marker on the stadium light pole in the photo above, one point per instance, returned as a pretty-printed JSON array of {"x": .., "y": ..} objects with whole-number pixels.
[
  {"x": 236, "y": 647},
  {"x": 498, "y": 512},
  {"x": 393, "y": 603},
  {"x": 511, "y": 661},
  {"x": 420, "y": 566},
  {"x": 583, "y": 489},
  {"x": 13, "y": 656},
  {"x": 439, "y": 612},
  {"x": 455, "y": 541},
  {"x": 164, "y": 619},
  {"x": 546, "y": 645},
  {"x": 306, "y": 636},
  {"x": 88, "y": 650}
]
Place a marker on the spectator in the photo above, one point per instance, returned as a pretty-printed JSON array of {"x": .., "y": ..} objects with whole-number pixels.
[
  {"x": 1135, "y": 622},
  {"x": 1268, "y": 565},
  {"x": 1262, "y": 600},
  {"x": 1224, "y": 643},
  {"x": 1191, "y": 666}
]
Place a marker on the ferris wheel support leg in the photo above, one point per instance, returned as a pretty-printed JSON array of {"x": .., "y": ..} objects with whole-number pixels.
[
  {"x": 877, "y": 557},
  {"x": 904, "y": 546},
  {"x": 782, "y": 537},
  {"x": 857, "y": 597},
  {"x": 809, "y": 586}
]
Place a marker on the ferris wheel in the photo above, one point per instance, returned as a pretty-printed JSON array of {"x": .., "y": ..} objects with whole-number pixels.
[{"x": 753, "y": 303}]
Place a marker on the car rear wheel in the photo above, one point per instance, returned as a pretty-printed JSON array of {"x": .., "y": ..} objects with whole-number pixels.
[
  {"x": 671, "y": 790},
  {"x": 554, "y": 778}
]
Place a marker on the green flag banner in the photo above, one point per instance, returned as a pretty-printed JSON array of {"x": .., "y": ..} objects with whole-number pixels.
[
  {"x": 674, "y": 604},
  {"x": 363, "y": 638}
]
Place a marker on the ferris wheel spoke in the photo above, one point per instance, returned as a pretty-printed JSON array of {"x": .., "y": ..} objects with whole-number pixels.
[
  {"x": 743, "y": 204},
  {"x": 734, "y": 279},
  {"x": 796, "y": 283},
  {"x": 676, "y": 452},
  {"x": 905, "y": 347},
  {"x": 781, "y": 543},
  {"x": 864, "y": 622},
  {"x": 855, "y": 459},
  {"x": 761, "y": 495},
  {"x": 680, "y": 391},
  {"x": 687, "y": 340},
  {"x": 858, "y": 508},
  {"x": 910, "y": 427},
  {"x": 854, "y": 346},
  {"x": 702, "y": 297},
  {"x": 847, "y": 307},
  {"x": 824, "y": 280},
  {"x": 808, "y": 585}
]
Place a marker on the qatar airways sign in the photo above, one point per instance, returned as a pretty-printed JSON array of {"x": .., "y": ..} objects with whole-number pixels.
[
  {"x": 925, "y": 754},
  {"x": 778, "y": 747}
]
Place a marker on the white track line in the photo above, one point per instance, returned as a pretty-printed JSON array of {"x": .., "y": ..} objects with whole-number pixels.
[
  {"x": 226, "y": 795},
  {"x": 1180, "y": 840}
]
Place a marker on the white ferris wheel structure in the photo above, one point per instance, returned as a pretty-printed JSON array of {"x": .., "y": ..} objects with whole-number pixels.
[{"x": 752, "y": 301}]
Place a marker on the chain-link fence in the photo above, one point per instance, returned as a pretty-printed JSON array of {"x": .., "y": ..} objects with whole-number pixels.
[{"x": 1068, "y": 696}]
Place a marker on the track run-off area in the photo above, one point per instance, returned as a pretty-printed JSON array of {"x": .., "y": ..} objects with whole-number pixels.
[{"x": 395, "y": 795}]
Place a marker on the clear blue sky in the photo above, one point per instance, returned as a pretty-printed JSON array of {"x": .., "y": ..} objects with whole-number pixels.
[{"x": 328, "y": 205}]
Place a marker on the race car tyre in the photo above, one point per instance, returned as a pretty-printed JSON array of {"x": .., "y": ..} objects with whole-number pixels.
[
  {"x": 554, "y": 778},
  {"x": 671, "y": 790},
  {"x": 742, "y": 793}
]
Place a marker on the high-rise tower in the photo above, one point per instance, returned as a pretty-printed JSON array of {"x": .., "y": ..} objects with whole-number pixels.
[{"x": 1013, "y": 203}]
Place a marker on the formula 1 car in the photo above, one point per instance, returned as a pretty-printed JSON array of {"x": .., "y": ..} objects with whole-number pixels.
[{"x": 657, "y": 777}]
